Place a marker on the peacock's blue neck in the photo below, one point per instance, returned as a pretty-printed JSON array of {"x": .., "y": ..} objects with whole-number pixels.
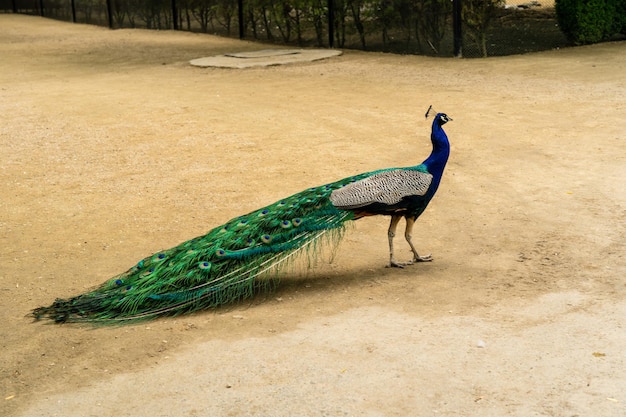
[{"x": 436, "y": 162}]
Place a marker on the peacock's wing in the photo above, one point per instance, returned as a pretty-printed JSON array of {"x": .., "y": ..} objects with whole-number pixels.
[{"x": 388, "y": 187}]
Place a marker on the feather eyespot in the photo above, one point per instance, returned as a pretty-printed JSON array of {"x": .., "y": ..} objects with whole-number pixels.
[
  {"x": 263, "y": 213},
  {"x": 140, "y": 264},
  {"x": 250, "y": 242},
  {"x": 297, "y": 221},
  {"x": 220, "y": 252},
  {"x": 160, "y": 256},
  {"x": 119, "y": 282},
  {"x": 204, "y": 265},
  {"x": 285, "y": 224},
  {"x": 129, "y": 288},
  {"x": 266, "y": 238},
  {"x": 242, "y": 223}
]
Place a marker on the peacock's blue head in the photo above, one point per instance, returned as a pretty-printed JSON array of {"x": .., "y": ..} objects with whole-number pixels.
[{"x": 442, "y": 118}]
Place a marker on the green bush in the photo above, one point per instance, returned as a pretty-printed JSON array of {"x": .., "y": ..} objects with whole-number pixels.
[
  {"x": 589, "y": 21},
  {"x": 620, "y": 21}
]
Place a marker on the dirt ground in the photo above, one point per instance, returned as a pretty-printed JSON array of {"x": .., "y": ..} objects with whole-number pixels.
[{"x": 114, "y": 147}]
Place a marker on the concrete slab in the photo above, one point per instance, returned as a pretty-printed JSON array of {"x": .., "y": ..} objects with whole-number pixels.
[{"x": 264, "y": 58}]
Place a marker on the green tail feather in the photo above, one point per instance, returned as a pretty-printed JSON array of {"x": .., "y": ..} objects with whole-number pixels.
[{"x": 217, "y": 268}]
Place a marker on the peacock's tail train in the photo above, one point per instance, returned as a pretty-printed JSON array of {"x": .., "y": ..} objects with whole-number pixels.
[{"x": 211, "y": 270}]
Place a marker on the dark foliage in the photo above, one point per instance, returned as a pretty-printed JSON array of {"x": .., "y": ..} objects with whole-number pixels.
[{"x": 590, "y": 21}]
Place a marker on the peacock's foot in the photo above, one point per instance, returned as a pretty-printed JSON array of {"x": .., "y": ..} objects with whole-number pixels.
[
  {"x": 394, "y": 264},
  {"x": 427, "y": 258},
  {"x": 416, "y": 259}
]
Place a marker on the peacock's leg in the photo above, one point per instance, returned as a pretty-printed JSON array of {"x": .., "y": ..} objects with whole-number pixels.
[
  {"x": 391, "y": 233},
  {"x": 408, "y": 234}
]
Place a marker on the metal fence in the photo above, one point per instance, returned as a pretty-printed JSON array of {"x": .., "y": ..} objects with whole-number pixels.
[{"x": 486, "y": 27}]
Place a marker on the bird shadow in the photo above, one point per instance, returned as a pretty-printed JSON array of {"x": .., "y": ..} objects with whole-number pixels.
[{"x": 313, "y": 283}]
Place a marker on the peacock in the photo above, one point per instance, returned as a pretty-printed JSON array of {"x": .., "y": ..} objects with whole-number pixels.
[{"x": 228, "y": 263}]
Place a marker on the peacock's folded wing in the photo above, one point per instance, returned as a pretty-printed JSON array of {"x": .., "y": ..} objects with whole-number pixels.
[{"x": 387, "y": 187}]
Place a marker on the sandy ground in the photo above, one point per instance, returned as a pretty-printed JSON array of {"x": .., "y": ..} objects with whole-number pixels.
[{"x": 114, "y": 147}]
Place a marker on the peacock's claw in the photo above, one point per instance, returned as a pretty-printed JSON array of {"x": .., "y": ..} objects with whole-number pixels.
[
  {"x": 416, "y": 259},
  {"x": 394, "y": 264},
  {"x": 426, "y": 258}
]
